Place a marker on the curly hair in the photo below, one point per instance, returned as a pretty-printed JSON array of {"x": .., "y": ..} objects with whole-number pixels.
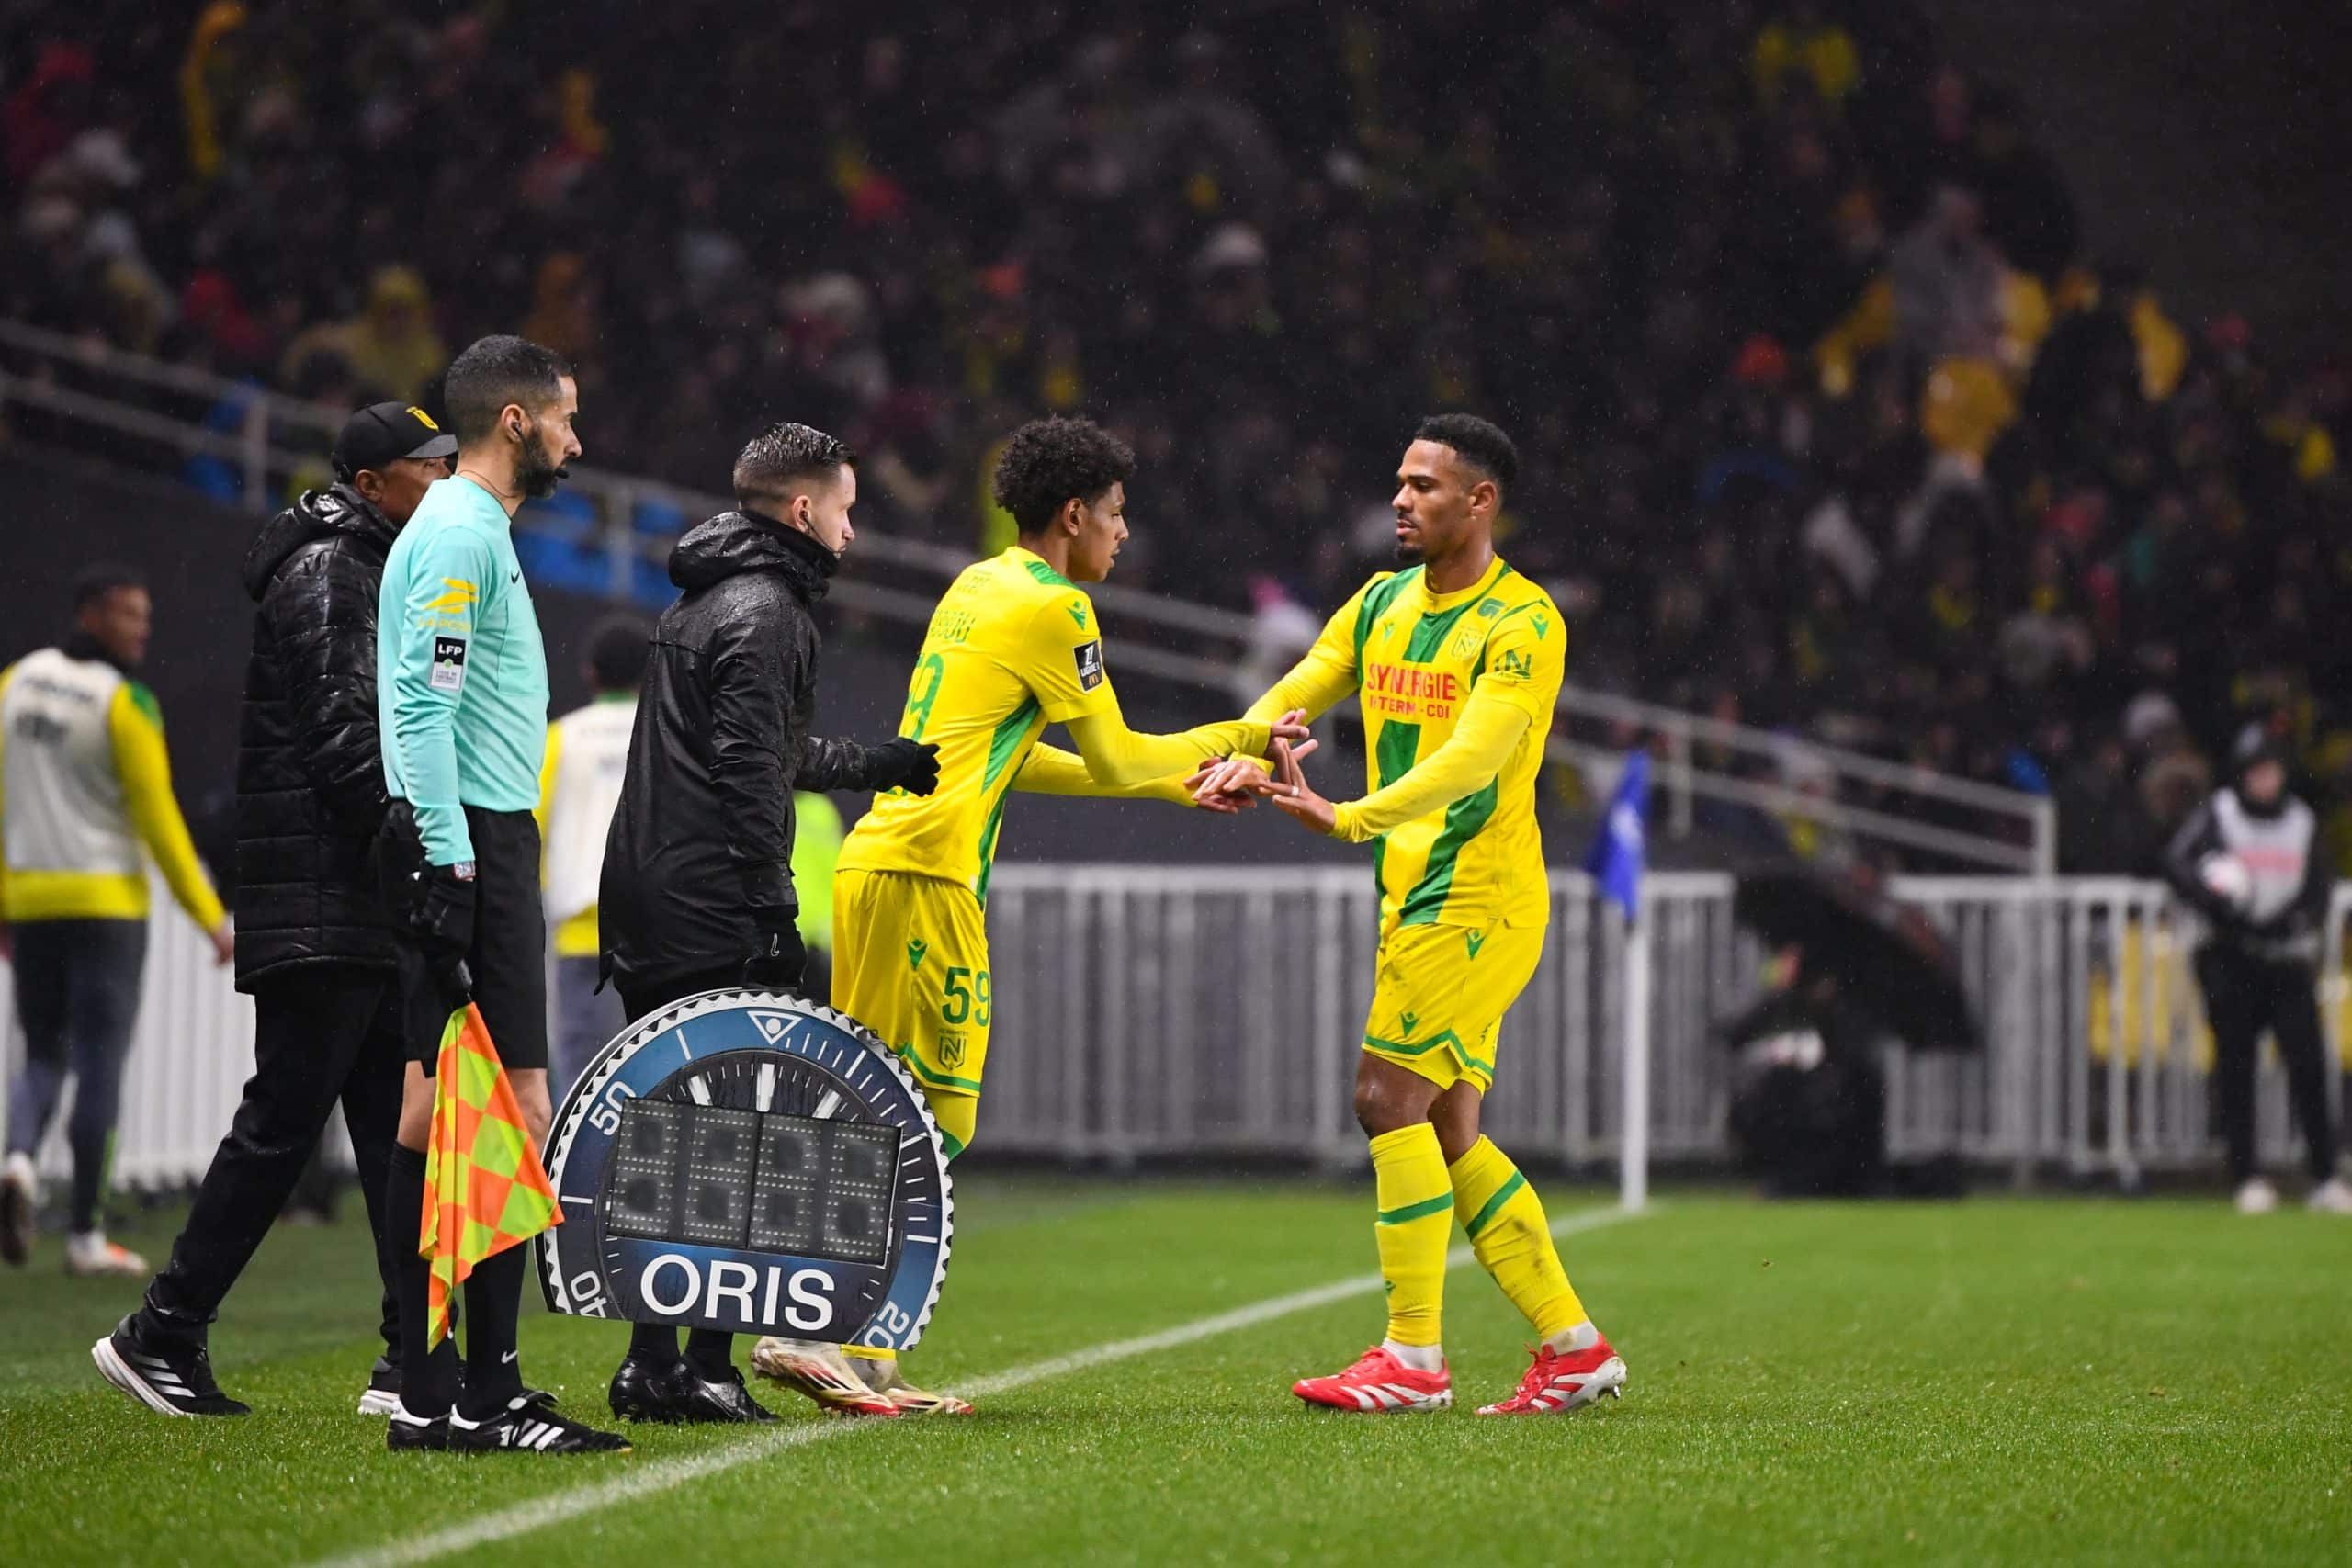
[
  {"x": 770, "y": 461},
  {"x": 1476, "y": 442},
  {"x": 1048, "y": 462}
]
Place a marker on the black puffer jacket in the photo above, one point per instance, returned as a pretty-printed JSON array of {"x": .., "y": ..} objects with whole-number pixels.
[
  {"x": 310, "y": 776},
  {"x": 702, "y": 838}
]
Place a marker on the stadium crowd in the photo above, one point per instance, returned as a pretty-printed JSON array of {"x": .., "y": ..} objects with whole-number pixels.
[{"x": 1830, "y": 423}]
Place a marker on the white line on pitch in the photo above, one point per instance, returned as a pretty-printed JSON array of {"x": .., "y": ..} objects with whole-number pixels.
[{"x": 663, "y": 1476}]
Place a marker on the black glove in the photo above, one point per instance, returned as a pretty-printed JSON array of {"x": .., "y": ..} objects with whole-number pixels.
[
  {"x": 434, "y": 903},
  {"x": 909, "y": 765},
  {"x": 779, "y": 961}
]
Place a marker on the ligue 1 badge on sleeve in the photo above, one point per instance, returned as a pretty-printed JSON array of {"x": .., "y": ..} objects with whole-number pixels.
[{"x": 751, "y": 1162}]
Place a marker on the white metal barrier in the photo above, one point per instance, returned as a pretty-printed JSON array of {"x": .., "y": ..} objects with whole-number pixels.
[{"x": 1149, "y": 1011}]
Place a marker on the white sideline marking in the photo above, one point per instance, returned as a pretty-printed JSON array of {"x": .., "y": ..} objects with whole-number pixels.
[{"x": 662, "y": 1476}]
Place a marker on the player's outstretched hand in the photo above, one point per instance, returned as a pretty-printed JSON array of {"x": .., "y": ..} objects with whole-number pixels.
[
  {"x": 1200, "y": 787},
  {"x": 1290, "y": 728},
  {"x": 1295, "y": 796},
  {"x": 1238, "y": 783}
]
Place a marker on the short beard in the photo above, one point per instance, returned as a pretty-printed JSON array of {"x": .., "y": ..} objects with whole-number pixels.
[
  {"x": 1411, "y": 555},
  {"x": 535, "y": 474}
]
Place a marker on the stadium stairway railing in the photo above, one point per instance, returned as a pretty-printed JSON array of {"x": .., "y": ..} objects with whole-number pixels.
[
  {"x": 1197, "y": 1012},
  {"x": 609, "y": 533}
]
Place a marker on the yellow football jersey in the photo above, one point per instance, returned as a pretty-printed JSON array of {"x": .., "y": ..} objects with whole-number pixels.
[
  {"x": 1413, "y": 657},
  {"x": 1012, "y": 647}
]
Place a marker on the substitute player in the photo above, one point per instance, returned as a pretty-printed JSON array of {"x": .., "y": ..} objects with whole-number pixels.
[
  {"x": 1012, "y": 647},
  {"x": 1457, "y": 660}
]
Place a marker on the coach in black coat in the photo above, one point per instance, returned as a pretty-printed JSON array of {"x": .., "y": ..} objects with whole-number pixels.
[
  {"x": 313, "y": 947},
  {"x": 698, "y": 880},
  {"x": 310, "y": 776},
  {"x": 696, "y": 892}
]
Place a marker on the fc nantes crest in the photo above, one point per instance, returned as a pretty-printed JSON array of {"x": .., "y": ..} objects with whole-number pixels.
[{"x": 751, "y": 1162}]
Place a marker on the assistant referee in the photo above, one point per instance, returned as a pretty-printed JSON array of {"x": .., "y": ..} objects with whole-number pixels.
[{"x": 463, "y": 700}]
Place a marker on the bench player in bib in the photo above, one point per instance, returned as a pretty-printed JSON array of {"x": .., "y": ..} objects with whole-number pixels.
[
  {"x": 1012, "y": 647},
  {"x": 1457, "y": 660}
]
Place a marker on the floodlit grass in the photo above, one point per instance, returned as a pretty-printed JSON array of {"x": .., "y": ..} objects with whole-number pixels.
[{"x": 1994, "y": 1380}]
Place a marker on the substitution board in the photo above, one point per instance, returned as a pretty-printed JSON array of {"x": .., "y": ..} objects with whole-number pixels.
[{"x": 751, "y": 1162}]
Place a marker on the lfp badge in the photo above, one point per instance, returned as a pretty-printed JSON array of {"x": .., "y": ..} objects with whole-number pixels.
[{"x": 751, "y": 1162}]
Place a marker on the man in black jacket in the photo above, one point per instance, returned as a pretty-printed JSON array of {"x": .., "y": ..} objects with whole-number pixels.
[
  {"x": 314, "y": 946},
  {"x": 2250, "y": 860},
  {"x": 697, "y": 893}
]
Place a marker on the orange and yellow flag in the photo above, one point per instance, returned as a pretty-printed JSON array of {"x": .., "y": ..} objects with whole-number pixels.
[{"x": 485, "y": 1190}]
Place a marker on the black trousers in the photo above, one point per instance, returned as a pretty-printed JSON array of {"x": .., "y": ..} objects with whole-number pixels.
[
  {"x": 322, "y": 1033},
  {"x": 2245, "y": 995}
]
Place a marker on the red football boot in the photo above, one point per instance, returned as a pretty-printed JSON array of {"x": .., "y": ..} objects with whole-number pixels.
[
  {"x": 1560, "y": 1381},
  {"x": 1379, "y": 1385}
]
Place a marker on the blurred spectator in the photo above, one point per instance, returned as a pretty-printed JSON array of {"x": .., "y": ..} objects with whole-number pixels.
[
  {"x": 392, "y": 345},
  {"x": 1759, "y": 432}
]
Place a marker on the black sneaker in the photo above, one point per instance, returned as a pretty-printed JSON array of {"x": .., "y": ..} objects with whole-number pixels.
[
  {"x": 383, "y": 1395},
  {"x": 169, "y": 1377},
  {"x": 531, "y": 1425},
  {"x": 405, "y": 1433},
  {"x": 640, "y": 1390}
]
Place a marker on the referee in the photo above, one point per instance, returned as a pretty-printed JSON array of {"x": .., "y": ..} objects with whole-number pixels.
[{"x": 462, "y": 698}]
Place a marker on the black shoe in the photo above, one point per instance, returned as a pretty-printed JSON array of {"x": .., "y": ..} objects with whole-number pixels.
[
  {"x": 726, "y": 1400},
  {"x": 383, "y": 1395},
  {"x": 641, "y": 1389},
  {"x": 531, "y": 1425},
  {"x": 405, "y": 1433},
  {"x": 170, "y": 1377}
]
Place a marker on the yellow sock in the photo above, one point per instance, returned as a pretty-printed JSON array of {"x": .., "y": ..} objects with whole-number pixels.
[
  {"x": 1416, "y": 1222},
  {"x": 957, "y": 1115},
  {"x": 1505, "y": 1222}
]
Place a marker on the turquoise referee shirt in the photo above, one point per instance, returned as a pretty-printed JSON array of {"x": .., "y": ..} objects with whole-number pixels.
[{"x": 461, "y": 675}]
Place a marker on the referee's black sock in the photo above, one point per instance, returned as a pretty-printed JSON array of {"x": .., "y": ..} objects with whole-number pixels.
[
  {"x": 493, "y": 1306},
  {"x": 428, "y": 1380},
  {"x": 655, "y": 1344},
  {"x": 711, "y": 1353}
]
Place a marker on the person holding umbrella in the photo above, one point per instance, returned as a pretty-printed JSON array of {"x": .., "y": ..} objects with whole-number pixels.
[{"x": 2249, "y": 861}]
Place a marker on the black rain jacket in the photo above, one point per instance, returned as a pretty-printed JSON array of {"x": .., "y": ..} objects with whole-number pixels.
[
  {"x": 309, "y": 773},
  {"x": 700, "y": 851}
]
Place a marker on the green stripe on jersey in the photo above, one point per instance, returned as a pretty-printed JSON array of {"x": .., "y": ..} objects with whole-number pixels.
[
  {"x": 1048, "y": 575},
  {"x": 1428, "y": 635},
  {"x": 1464, "y": 820},
  {"x": 1374, "y": 604},
  {"x": 1399, "y": 748},
  {"x": 1003, "y": 746}
]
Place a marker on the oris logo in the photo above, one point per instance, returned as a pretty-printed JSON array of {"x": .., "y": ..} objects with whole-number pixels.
[{"x": 674, "y": 1285}]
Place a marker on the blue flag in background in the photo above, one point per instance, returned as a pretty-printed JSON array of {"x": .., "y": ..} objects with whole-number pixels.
[{"x": 1619, "y": 850}]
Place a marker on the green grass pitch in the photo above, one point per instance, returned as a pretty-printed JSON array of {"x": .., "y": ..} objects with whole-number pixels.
[{"x": 1996, "y": 1380}]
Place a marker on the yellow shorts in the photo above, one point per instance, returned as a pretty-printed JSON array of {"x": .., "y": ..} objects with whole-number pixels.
[
  {"x": 911, "y": 961},
  {"x": 1439, "y": 1001}
]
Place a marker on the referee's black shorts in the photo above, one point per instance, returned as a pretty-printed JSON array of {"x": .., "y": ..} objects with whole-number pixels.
[{"x": 509, "y": 957}]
